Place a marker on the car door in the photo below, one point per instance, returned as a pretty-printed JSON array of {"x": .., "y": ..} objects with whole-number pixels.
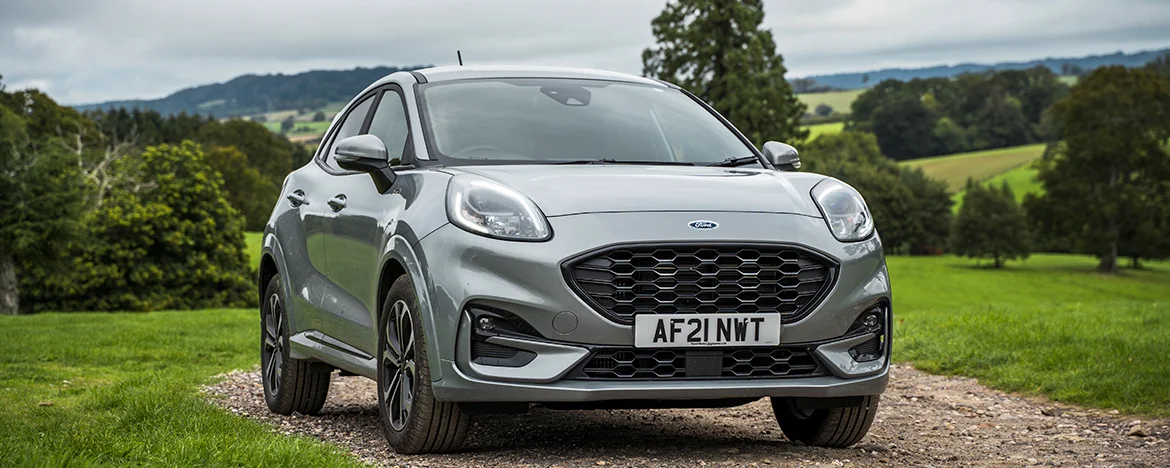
[
  {"x": 362, "y": 219},
  {"x": 337, "y": 316}
]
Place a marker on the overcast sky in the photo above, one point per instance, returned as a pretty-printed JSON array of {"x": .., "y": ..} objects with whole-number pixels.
[{"x": 83, "y": 51}]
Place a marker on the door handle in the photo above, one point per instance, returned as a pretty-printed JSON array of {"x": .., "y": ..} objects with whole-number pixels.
[
  {"x": 297, "y": 198},
  {"x": 337, "y": 203}
]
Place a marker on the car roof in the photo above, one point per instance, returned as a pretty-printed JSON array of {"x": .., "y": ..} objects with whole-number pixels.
[{"x": 494, "y": 71}]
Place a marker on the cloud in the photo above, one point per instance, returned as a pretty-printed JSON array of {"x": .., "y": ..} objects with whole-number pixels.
[{"x": 87, "y": 51}]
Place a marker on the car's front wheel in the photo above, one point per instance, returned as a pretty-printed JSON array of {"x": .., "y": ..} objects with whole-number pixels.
[
  {"x": 289, "y": 384},
  {"x": 413, "y": 420},
  {"x": 801, "y": 420}
]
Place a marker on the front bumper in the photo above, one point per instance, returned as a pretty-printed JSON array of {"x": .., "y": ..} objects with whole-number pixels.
[{"x": 525, "y": 279}]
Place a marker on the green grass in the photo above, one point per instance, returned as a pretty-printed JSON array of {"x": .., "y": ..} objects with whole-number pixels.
[
  {"x": 1047, "y": 326},
  {"x": 979, "y": 165},
  {"x": 253, "y": 241},
  {"x": 824, "y": 128},
  {"x": 121, "y": 389},
  {"x": 1022, "y": 181},
  {"x": 840, "y": 101}
]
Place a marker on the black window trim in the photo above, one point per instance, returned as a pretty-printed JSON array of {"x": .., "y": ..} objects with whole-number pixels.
[{"x": 376, "y": 94}]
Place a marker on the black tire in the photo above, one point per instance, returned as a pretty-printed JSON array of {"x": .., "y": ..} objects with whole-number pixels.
[
  {"x": 290, "y": 385},
  {"x": 825, "y": 427},
  {"x": 413, "y": 421}
]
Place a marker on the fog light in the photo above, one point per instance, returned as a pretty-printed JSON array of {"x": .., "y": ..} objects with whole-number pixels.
[
  {"x": 872, "y": 320},
  {"x": 486, "y": 323}
]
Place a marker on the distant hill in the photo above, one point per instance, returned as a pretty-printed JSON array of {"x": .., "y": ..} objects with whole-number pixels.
[
  {"x": 1058, "y": 65},
  {"x": 252, "y": 94}
]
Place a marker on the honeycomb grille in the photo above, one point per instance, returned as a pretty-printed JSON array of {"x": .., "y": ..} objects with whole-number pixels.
[
  {"x": 624, "y": 281},
  {"x": 653, "y": 364}
]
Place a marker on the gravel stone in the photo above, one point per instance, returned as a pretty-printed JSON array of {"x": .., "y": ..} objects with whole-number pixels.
[{"x": 924, "y": 420}]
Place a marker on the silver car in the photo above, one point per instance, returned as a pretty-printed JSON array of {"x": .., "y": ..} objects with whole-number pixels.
[{"x": 484, "y": 239}]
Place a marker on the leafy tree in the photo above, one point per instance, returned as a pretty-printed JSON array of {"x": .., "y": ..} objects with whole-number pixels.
[
  {"x": 319, "y": 116},
  {"x": 260, "y": 119},
  {"x": 244, "y": 187},
  {"x": 287, "y": 125},
  {"x": 823, "y": 110},
  {"x": 1107, "y": 180},
  {"x": 991, "y": 225},
  {"x": 716, "y": 49},
  {"x": 904, "y": 128},
  {"x": 174, "y": 243},
  {"x": 43, "y": 195},
  {"x": 1160, "y": 65},
  {"x": 927, "y": 117},
  {"x": 912, "y": 211}
]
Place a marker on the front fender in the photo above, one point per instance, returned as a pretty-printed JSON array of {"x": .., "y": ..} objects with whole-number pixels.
[{"x": 400, "y": 250}]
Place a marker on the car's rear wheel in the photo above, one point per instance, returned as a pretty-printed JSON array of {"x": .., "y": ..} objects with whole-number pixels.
[
  {"x": 413, "y": 420},
  {"x": 289, "y": 384},
  {"x": 825, "y": 427}
]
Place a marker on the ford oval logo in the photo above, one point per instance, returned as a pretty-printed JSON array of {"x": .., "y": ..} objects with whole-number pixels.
[{"x": 703, "y": 224}]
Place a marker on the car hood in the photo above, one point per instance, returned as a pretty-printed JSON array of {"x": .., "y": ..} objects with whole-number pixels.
[{"x": 574, "y": 189}]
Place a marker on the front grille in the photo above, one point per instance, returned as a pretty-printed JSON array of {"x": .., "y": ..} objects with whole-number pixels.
[
  {"x": 681, "y": 279},
  {"x": 653, "y": 364}
]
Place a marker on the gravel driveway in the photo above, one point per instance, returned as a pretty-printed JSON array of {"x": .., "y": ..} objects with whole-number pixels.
[{"x": 924, "y": 420}]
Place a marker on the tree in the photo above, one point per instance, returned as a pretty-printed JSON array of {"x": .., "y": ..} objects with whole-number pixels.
[
  {"x": 716, "y": 49},
  {"x": 43, "y": 196},
  {"x": 904, "y": 128},
  {"x": 260, "y": 119},
  {"x": 319, "y": 116},
  {"x": 991, "y": 225},
  {"x": 244, "y": 187},
  {"x": 823, "y": 110},
  {"x": 287, "y": 124},
  {"x": 1109, "y": 175},
  {"x": 1160, "y": 65},
  {"x": 175, "y": 244}
]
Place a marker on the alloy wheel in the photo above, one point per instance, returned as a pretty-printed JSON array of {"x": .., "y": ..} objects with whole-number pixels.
[
  {"x": 398, "y": 365},
  {"x": 273, "y": 355}
]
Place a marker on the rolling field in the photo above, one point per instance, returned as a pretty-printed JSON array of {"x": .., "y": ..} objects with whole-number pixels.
[
  {"x": 1022, "y": 181},
  {"x": 823, "y": 129},
  {"x": 840, "y": 101},
  {"x": 313, "y": 128},
  {"x": 979, "y": 165},
  {"x": 129, "y": 395}
]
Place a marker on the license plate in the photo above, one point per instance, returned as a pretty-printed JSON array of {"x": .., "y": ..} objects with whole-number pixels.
[{"x": 683, "y": 330}]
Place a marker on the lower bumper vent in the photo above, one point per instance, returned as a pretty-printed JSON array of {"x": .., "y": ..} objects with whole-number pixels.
[{"x": 660, "y": 364}]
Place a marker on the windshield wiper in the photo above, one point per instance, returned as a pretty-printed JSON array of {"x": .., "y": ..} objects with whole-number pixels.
[
  {"x": 732, "y": 162},
  {"x": 614, "y": 161}
]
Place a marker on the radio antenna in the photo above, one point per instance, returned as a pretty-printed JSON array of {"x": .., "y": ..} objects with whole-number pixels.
[{"x": 460, "y": 55}]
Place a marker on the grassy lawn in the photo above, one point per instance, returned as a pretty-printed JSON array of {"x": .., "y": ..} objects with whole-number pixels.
[
  {"x": 840, "y": 101},
  {"x": 96, "y": 388},
  {"x": 979, "y": 165},
  {"x": 120, "y": 389},
  {"x": 1049, "y": 325}
]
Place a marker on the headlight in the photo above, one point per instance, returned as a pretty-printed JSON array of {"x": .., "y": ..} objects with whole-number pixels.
[
  {"x": 488, "y": 208},
  {"x": 844, "y": 210}
]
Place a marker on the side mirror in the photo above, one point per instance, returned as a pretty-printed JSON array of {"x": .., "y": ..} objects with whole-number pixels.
[
  {"x": 365, "y": 153},
  {"x": 782, "y": 155}
]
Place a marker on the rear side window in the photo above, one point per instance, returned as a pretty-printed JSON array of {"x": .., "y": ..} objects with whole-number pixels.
[
  {"x": 389, "y": 124},
  {"x": 352, "y": 125}
]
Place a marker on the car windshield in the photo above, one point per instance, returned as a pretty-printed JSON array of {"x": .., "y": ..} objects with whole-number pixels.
[{"x": 545, "y": 120}]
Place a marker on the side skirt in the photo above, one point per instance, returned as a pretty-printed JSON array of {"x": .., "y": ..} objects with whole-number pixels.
[{"x": 318, "y": 346}]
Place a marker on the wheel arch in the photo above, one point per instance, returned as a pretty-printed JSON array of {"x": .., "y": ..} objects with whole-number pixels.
[
  {"x": 268, "y": 270},
  {"x": 401, "y": 259}
]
